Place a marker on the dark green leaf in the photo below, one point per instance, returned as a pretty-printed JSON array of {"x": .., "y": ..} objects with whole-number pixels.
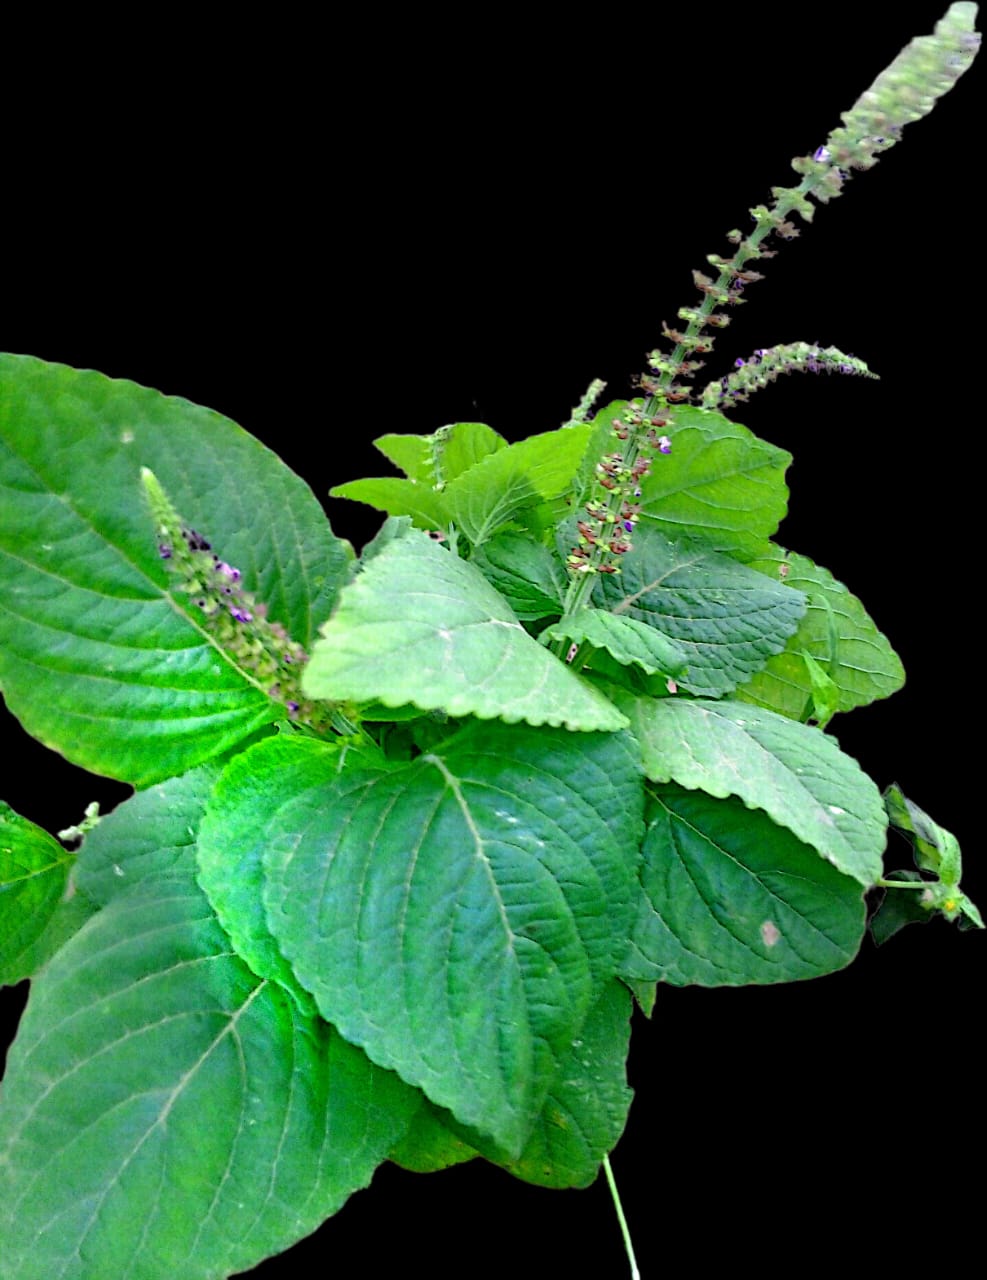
[
  {"x": 525, "y": 572},
  {"x": 725, "y": 617},
  {"x": 97, "y": 658},
  {"x": 35, "y": 918},
  {"x": 421, "y": 626},
  {"x": 459, "y": 916},
  {"x": 167, "y": 1114},
  {"x": 733, "y": 898}
]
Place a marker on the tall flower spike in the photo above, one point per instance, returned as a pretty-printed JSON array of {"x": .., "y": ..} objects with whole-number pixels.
[
  {"x": 907, "y": 90},
  {"x": 230, "y": 616}
]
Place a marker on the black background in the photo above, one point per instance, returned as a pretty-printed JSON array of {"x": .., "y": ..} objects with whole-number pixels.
[{"x": 422, "y": 225}]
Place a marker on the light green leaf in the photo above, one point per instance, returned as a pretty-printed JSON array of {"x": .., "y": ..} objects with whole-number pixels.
[
  {"x": 825, "y": 692},
  {"x": 412, "y": 454},
  {"x": 461, "y": 446},
  {"x": 458, "y": 917},
  {"x": 726, "y": 618},
  {"x": 35, "y": 919},
  {"x": 733, "y": 898},
  {"x": 525, "y": 572},
  {"x": 836, "y": 631},
  {"x": 421, "y": 626},
  {"x": 97, "y": 658},
  {"x": 797, "y": 774},
  {"x": 167, "y": 1114},
  {"x": 397, "y": 497},
  {"x": 430, "y": 1144},
  {"x": 720, "y": 483},
  {"x": 488, "y": 495},
  {"x": 627, "y": 640}
]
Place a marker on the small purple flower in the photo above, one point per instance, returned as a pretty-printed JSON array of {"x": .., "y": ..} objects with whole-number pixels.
[
  {"x": 228, "y": 571},
  {"x": 629, "y": 526},
  {"x": 664, "y": 444},
  {"x": 822, "y": 155},
  {"x": 738, "y": 363},
  {"x": 164, "y": 551},
  {"x": 292, "y": 708},
  {"x": 239, "y": 614}
]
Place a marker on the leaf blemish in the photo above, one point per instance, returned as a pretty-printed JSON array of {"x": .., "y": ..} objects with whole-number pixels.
[{"x": 769, "y": 933}]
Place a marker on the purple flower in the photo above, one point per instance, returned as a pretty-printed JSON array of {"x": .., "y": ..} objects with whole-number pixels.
[
  {"x": 292, "y": 708},
  {"x": 629, "y": 526},
  {"x": 822, "y": 155},
  {"x": 228, "y": 571},
  {"x": 240, "y": 615},
  {"x": 164, "y": 551},
  {"x": 738, "y": 363},
  {"x": 664, "y": 444}
]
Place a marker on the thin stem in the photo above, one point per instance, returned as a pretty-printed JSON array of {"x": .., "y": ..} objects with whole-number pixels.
[
  {"x": 615, "y": 1196},
  {"x": 902, "y": 884}
]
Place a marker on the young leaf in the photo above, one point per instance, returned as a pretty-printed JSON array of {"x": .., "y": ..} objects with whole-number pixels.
[
  {"x": 726, "y": 618},
  {"x": 425, "y": 505},
  {"x": 627, "y": 640},
  {"x": 836, "y": 630},
  {"x": 488, "y": 495},
  {"x": 39, "y": 910},
  {"x": 733, "y": 898},
  {"x": 720, "y": 484},
  {"x": 421, "y": 626},
  {"x": 97, "y": 658},
  {"x": 797, "y": 774},
  {"x": 459, "y": 916},
  {"x": 165, "y": 1113}
]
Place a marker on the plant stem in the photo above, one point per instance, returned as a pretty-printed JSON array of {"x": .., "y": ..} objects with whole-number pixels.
[
  {"x": 615, "y": 1196},
  {"x": 902, "y": 884}
]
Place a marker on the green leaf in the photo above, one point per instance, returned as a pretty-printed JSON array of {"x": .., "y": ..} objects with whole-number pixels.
[
  {"x": 461, "y": 446},
  {"x": 525, "y": 572},
  {"x": 167, "y": 1114},
  {"x": 430, "y": 1145},
  {"x": 458, "y": 917},
  {"x": 936, "y": 849},
  {"x": 896, "y": 908},
  {"x": 720, "y": 483},
  {"x": 488, "y": 495},
  {"x": 412, "y": 454},
  {"x": 421, "y": 626},
  {"x": 836, "y": 631},
  {"x": 231, "y": 844},
  {"x": 725, "y": 617},
  {"x": 35, "y": 919},
  {"x": 733, "y": 898},
  {"x": 586, "y": 1108},
  {"x": 626, "y": 640},
  {"x": 425, "y": 505},
  {"x": 97, "y": 658},
  {"x": 797, "y": 774},
  {"x": 148, "y": 837},
  {"x": 825, "y": 693}
]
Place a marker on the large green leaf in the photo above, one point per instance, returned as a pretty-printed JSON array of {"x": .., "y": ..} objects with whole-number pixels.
[
  {"x": 35, "y": 917},
  {"x": 732, "y": 898},
  {"x": 420, "y": 625},
  {"x": 165, "y": 1113},
  {"x": 457, "y": 917},
  {"x": 484, "y": 498},
  {"x": 97, "y": 658},
  {"x": 720, "y": 483},
  {"x": 836, "y": 631},
  {"x": 727, "y": 618},
  {"x": 797, "y": 774}
]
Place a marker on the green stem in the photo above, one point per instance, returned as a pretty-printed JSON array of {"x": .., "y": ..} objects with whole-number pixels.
[
  {"x": 624, "y": 1231},
  {"x": 902, "y": 884}
]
